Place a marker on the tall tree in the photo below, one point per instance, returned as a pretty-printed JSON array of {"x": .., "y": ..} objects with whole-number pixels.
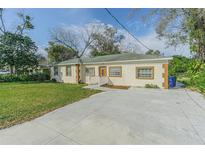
[
  {"x": 179, "y": 65},
  {"x": 76, "y": 40},
  {"x": 16, "y": 50},
  {"x": 106, "y": 42},
  {"x": 42, "y": 59},
  {"x": 2, "y": 25},
  {"x": 24, "y": 25},
  {"x": 180, "y": 26},
  {"x": 58, "y": 52}
]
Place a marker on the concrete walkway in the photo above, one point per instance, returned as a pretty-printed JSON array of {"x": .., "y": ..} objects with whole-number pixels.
[{"x": 135, "y": 116}]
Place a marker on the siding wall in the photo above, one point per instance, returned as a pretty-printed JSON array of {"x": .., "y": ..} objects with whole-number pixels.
[
  {"x": 128, "y": 74},
  {"x": 91, "y": 79},
  {"x": 67, "y": 79}
]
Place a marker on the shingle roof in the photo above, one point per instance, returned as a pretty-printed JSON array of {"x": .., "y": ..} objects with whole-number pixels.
[{"x": 111, "y": 58}]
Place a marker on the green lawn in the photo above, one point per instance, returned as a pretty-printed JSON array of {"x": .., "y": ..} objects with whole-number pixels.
[{"x": 21, "y": 102}]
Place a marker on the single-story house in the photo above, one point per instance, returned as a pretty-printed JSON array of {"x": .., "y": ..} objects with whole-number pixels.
[{"x": 127, "y": 69}]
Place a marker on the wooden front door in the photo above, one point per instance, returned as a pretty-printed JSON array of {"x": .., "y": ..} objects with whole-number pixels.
[{"x": 102, "y": 71}]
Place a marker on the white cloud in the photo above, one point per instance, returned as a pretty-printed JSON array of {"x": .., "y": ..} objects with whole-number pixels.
[
  {"x": 129, "y": 43},
  {"x": 153, "y": 42}
]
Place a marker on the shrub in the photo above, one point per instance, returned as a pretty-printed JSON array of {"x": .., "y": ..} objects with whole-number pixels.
[
  {"x": 24, "y": 77},
  {"x": 198, "y": 79},
  {"x": 53, "y": 80},
  {"x": 179, "y": 65},
  {"x": 9, "y": 78},
  {"x": 39, "y": 77},
  {"x": 151, "y": 86}
]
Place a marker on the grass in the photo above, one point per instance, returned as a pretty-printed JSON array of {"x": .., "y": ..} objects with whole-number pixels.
[
  {"x": 184, "y": 78},
  {"x": 21, "y": 102}
]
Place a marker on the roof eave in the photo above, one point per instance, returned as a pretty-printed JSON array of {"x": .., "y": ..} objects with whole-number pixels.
[
  {"x": 139, "y": 60},
  {"x": 120, "y": 61},
  {"x": 67, "y": 64}
]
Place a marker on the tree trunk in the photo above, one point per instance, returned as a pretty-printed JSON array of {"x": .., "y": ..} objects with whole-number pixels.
[{"x": 12, "y": 69}]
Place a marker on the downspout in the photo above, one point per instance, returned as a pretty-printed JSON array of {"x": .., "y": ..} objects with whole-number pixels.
[
  {"x": 78, "y": 71},
  {"x": 165, "y": 84}
]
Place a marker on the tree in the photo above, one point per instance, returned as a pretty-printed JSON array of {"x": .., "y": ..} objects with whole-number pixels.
[
  {"x": 180, "y": 26},
  {"x": 76, "y": 40},
  {"x": 179, "y": 65},
  {"x": 58, "y": 52},
  {"x": 24, "y": 25},
  {"x": 106, "y": 42},
  {"x": 41, "y": 59},
  {"x": 2, "y": 27},
  {"x": 18, "y": 52},
  {"x": 153, "y": 52}
]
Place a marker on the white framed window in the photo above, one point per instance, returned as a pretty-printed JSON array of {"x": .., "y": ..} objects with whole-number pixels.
[
  {"x": 90, "y": 71},
  {"x": 68, "y": 71},
  {"x": 115, "y": 71},
  {"x": 145, "y": 72}
]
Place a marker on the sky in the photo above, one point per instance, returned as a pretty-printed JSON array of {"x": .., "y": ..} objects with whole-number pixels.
[{"x": 44, "y": 20}]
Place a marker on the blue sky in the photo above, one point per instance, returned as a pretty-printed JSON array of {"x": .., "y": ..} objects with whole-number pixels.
[{"x": 45, "y": 20}]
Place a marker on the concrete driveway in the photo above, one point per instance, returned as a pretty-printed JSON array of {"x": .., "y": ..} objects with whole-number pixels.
[{"x": 135, "y": 116}]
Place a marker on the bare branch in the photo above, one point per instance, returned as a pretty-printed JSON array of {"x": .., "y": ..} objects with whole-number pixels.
[
  {"x": 2, "y": 28},
  {"x": 58, "y": 36},
  {"x": 78, "y": 40}
]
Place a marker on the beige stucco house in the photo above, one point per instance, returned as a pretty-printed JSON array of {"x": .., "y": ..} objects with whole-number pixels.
[{"x": 127, "y": 69}]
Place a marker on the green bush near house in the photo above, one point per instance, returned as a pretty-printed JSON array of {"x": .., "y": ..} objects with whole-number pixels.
[
  {"x": 24, "y": 77},
  {"x": 189, "y": 71},
  {"x": 179, "y": 65},
  {"x": 197, "y": 80},
  {"x": 151, "y": 86}
]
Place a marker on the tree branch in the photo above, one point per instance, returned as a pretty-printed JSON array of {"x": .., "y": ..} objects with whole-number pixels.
[
  {"x": 2, "y": 29},
  {"x": 56, "y": 39}
]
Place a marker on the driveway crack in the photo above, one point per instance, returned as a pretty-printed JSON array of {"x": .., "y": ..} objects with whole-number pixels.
[{"x": 56, "y": 132}]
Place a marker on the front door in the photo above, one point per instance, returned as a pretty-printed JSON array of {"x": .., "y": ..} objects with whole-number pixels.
[{"x": 102, "y": 71}]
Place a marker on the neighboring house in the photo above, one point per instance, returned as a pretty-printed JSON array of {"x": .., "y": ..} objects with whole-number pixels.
[
  {"x": 4, "y": 72},
  {"x": 43, "y": 68},
  {"x": 127, "y": 69}
]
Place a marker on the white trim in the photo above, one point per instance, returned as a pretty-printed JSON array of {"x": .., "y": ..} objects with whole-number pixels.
[{"x": 139, "y": 60}]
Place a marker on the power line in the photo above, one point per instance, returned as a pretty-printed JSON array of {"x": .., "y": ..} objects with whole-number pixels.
[{"x": 126, "y": 29}]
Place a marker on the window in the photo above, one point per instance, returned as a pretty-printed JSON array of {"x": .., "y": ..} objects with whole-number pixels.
[
  {"x": 115, "y": 71},
  {"x": 90, "y": 71},
  {"x": 145, "y": 72},
  {"x": 68, "y": 71},
  {"x": 55, "y": 70}
]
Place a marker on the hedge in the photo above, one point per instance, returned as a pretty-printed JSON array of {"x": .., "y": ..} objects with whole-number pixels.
[{"x": 24, "y": 77}]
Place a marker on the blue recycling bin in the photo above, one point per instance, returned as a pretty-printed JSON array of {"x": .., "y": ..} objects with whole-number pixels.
[{"x": 172, "y": 81}]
